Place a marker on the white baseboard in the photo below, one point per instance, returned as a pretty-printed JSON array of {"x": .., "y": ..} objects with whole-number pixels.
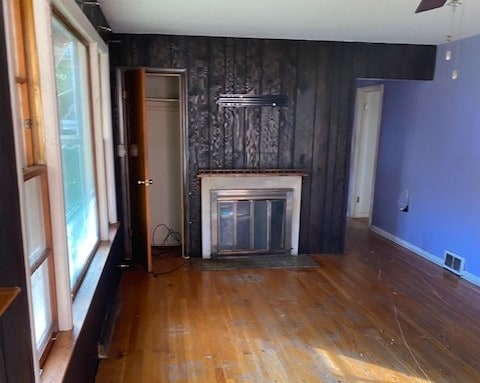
[
  {"x": 471, "y": 278},
  {"x": 417, "y": 250}
]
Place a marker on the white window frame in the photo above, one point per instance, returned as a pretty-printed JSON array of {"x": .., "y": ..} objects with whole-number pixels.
[{"x": 102, "y": 135}]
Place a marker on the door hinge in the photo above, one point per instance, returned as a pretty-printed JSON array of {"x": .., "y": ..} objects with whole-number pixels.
[
  {"x": 358, "y": 199},
  {"x": 124, "y": 94}
]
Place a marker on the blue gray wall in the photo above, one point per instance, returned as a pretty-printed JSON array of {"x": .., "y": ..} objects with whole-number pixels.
[{"x": 430, "y": 146}]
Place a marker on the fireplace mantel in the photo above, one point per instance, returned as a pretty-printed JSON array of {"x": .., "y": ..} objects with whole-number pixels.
[{"x": 214, "y": 180}]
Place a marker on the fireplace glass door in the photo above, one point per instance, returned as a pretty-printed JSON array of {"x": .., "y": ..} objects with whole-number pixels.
[{"x": 250, "y": 221}]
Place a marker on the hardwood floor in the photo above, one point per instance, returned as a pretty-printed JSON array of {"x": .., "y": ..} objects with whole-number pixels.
[{"x": 378, "y": 314}]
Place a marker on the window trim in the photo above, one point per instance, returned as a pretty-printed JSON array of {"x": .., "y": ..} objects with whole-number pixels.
[
  {"x": 70, "y": 312},
  {"x": 70, "y": 13},
  {"x": 90, "y": 68},
  {"x": 30, "y": 173}
]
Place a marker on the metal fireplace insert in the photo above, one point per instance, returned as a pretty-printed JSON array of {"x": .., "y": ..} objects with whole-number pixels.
[{"x": 251, "y": 221}]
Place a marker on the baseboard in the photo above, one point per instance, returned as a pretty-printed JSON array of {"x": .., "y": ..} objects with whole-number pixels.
[
  {"x": 106, "y": 336},
  {"x": 472, "y": 278}
]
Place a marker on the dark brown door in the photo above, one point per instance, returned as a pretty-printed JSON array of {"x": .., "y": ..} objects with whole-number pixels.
[{"x": 138, "y": 167}]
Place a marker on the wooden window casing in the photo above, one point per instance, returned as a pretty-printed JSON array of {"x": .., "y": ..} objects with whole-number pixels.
[{"x": 27, "y": 80}]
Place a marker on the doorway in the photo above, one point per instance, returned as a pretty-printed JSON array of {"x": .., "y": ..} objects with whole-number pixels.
[
  {"x": 164, "y": 158},
  {"x": 154, "y": 118},
  {"x": 366, "y": 132}
]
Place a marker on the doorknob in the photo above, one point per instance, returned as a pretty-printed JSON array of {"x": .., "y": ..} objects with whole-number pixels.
[{"x": 145, "y": 182}]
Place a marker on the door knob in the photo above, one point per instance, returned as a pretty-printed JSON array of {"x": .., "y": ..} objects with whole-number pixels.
[{"x": 145, "y": 182}]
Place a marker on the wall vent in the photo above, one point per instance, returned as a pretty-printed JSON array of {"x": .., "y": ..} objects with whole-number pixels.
[{"x": 454, "y": 263}]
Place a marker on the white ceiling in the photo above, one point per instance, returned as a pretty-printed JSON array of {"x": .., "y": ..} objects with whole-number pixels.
[{"x": 392, "y": 21}]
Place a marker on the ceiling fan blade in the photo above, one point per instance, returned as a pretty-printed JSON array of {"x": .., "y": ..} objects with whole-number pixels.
[{"x": 427, "y": 5}]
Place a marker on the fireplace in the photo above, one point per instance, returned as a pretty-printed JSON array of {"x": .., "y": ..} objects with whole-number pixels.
[
  {"x": 251, "y": 221},
  {"x": 248, "y": 212}
]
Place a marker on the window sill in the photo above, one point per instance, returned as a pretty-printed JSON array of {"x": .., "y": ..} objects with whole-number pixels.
[
  {"x": 7, "y": 296},
  {"x": 57, "y": 362}
]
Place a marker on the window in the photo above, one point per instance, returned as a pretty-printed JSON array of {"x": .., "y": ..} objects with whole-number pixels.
[
  {"x": 65, "y": 213},
  {"x": 40, "y": 256},
  {"x": 73, "y": 101},
  {"x": 36, "y": 211}
]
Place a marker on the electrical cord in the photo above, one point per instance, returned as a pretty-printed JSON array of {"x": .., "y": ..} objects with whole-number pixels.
[
  {"x": 156, "y": 275},
  {"x": 171, "y": 234}
]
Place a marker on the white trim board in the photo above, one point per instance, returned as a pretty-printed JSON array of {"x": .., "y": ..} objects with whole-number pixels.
[{"x": 472, "y": 278}]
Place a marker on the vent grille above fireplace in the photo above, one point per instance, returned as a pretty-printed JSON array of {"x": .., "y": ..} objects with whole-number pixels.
[
  {"x": 244, "y": 100},
  {"x": 251, "y": 221}
]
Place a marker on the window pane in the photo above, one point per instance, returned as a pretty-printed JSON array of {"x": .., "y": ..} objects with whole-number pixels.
[
  {"x": 35, "y": 221},
  {"x": 226, "y": 232},
  {"x": 73, "y": 98},
  {"x": 243, "y": 225},
  {"x": 260, "y": 229},
  {"x": 277, "y": 225},
  {"x": 42, "y": 306}
]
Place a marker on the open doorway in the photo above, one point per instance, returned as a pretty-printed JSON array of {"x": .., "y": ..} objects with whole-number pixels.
[
  {"x": 164, "y": 158},
  {"x": 366, "y": 132},
  {"x": 154, "y": 117}
]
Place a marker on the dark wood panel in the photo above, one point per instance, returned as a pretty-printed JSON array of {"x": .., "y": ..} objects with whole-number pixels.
[
  {"x": 314, "y": 130},
  {"x": 304, "y": 130},
  {"x": 229, "y": 118},
  {"x": 198, "y": 122},
  {"x": 318, "y": 175},
  {"x": 159, "y": 52},
  {"x": 336, "y": 236},
  {"x": 97, "y": 19},
  {"x": 217, "y": 87},
  {"x": 253, "y": 115},
  {"x": 239, "y": 113},
  {"x": 286, "y": 128},
  {"x": 178, "y": 51},
  {"x": 270, "y": 116},
  {"x": 360, "y": 60},
  {"x": 138, "y": 52},
  {"x": 335, "y": 112},
  {"x": 198, "y": 103}
]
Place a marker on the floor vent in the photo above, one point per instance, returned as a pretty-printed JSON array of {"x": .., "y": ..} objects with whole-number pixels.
[{"x": 454, "y": 263}]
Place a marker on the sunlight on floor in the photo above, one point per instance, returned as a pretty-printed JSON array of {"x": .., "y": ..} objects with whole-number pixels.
[{"x": 348, "y": 369}]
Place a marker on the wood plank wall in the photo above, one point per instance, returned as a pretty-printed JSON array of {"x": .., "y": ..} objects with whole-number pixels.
[{"x": 312, "y": 133}]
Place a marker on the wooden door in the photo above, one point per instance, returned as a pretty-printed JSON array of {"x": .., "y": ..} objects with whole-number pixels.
[{"x": 138, "y": 167}]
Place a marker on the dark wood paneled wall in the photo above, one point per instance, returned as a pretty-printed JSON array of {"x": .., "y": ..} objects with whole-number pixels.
[
  {"x": 313, "y": 132},
  {"x": 97, "y": 18},
  {"x": 18, "y": 360}
]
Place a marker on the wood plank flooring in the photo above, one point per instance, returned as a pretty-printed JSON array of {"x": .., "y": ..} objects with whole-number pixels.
[{"x": 377, "y": 314}]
